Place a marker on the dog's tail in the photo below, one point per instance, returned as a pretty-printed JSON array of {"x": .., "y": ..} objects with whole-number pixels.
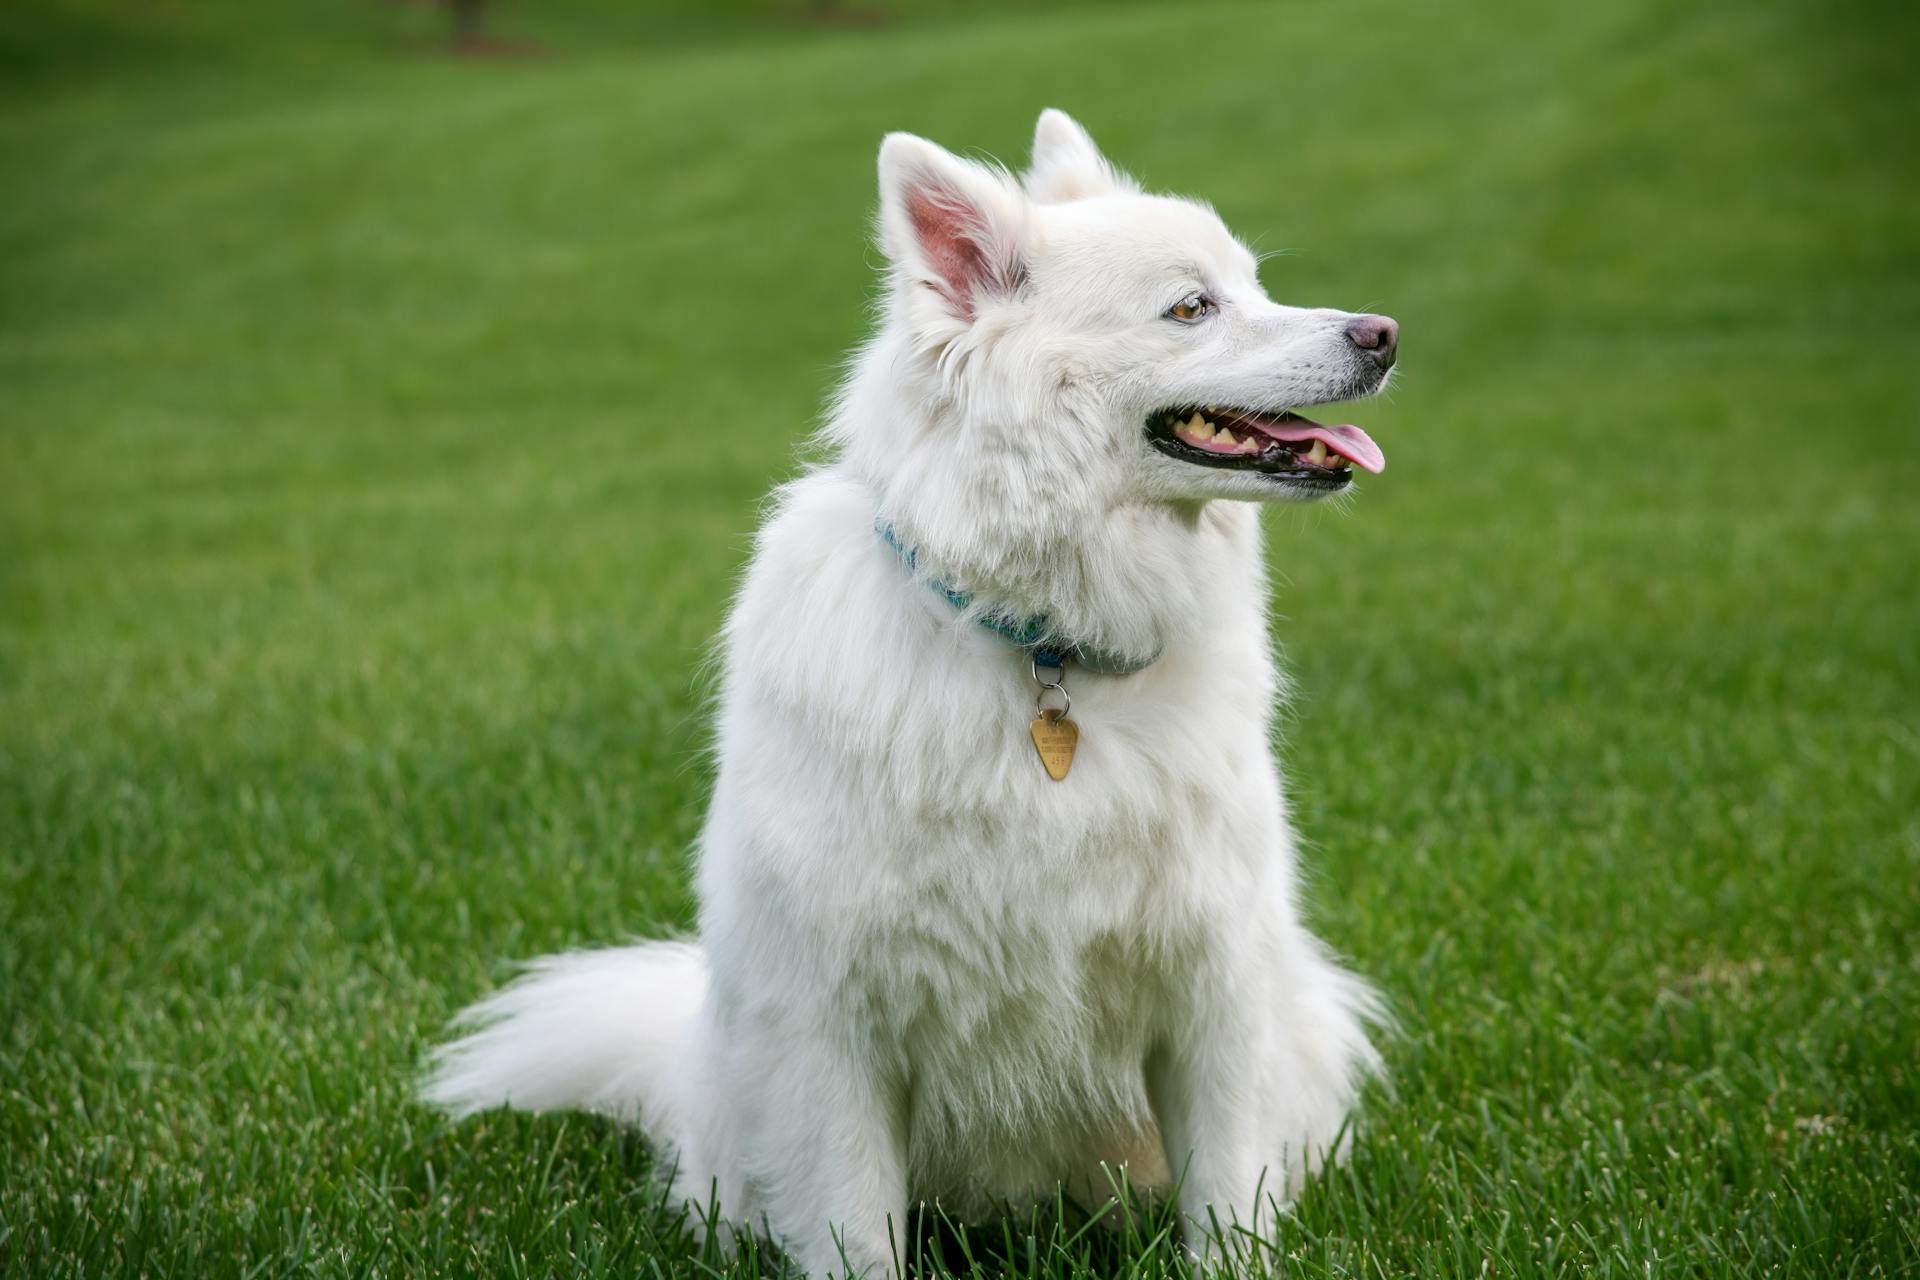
[{"x": 609, "y": 1031}]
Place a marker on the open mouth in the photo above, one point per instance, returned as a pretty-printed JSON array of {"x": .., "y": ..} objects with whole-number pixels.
[{"x": 1285, "y": 446}]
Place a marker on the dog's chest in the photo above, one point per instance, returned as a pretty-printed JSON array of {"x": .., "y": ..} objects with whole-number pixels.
[
  {"x": 983, "y": 903},
  {"x": 1037, "y": 936},
  {"x": 1024, "y": 1014}
]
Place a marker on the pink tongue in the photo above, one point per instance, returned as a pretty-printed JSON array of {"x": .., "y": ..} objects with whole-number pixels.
[{"x": 1347, "y": 440}]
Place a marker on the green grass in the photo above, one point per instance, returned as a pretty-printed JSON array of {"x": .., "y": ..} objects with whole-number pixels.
[{"x": 380, "y": 435}]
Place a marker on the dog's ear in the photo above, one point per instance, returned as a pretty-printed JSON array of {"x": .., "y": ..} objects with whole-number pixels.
[
  {"x": 1067, "y": 166},
  {"x": 950, "y": 223}
]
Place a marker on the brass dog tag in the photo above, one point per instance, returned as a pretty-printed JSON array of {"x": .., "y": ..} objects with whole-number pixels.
[{"x": 1055, "y": 737}]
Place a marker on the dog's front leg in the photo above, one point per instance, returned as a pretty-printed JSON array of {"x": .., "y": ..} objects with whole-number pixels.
[
  {"x": 829, "y": 1153},
  {"x": 1203, "y": 1090}
]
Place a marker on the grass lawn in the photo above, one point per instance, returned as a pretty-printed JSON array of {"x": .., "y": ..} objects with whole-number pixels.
[{"x": 380, "y": 435}]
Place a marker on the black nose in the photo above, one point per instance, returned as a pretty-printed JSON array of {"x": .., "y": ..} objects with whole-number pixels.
[{"x": 1378, "y": 336}]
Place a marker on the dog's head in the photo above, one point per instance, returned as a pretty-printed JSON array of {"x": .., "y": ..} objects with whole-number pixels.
[{"x": 1072, "y": 333}]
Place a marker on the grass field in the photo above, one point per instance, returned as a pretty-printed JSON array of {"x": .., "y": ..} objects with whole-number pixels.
[{"x": 380, "y": 434}]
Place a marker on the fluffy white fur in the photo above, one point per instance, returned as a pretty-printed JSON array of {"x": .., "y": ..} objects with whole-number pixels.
[{"x": 925, "y": 970}]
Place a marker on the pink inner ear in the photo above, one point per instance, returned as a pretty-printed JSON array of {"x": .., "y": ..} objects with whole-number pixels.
[{"x": 952, "y": 235}]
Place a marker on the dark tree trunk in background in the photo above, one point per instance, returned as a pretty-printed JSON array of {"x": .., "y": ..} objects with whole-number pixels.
[{"x": 469, "y": 21}]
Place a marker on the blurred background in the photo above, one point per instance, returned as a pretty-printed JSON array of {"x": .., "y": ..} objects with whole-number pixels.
[{"x": 387, "y": 391}]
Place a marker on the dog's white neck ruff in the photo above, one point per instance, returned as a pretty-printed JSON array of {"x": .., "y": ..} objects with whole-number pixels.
[
  {"x": 1035, "y": 633},
  {"x": 1012, "y": 504}
]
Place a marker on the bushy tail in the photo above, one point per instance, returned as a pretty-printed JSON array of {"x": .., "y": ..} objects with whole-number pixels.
[{"x": 606, "y": 1031}]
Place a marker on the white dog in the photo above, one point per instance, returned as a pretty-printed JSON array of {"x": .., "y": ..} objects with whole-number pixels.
[{"x": 958, "y": 943}]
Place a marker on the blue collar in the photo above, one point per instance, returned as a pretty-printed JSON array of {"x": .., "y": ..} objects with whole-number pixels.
[{"x": 1034, "y": 634}]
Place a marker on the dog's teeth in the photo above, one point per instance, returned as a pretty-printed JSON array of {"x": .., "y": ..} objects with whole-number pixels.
[
  {"x": 1224, "y": 436},
  {"x": 1197, "y": 424},
  {"x": 1249, "y": 445},
  {"x": 1318, "y": 454}
]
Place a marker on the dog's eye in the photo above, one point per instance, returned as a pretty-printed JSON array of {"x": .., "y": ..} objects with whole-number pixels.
[{"x": 1190, "y": 308}]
